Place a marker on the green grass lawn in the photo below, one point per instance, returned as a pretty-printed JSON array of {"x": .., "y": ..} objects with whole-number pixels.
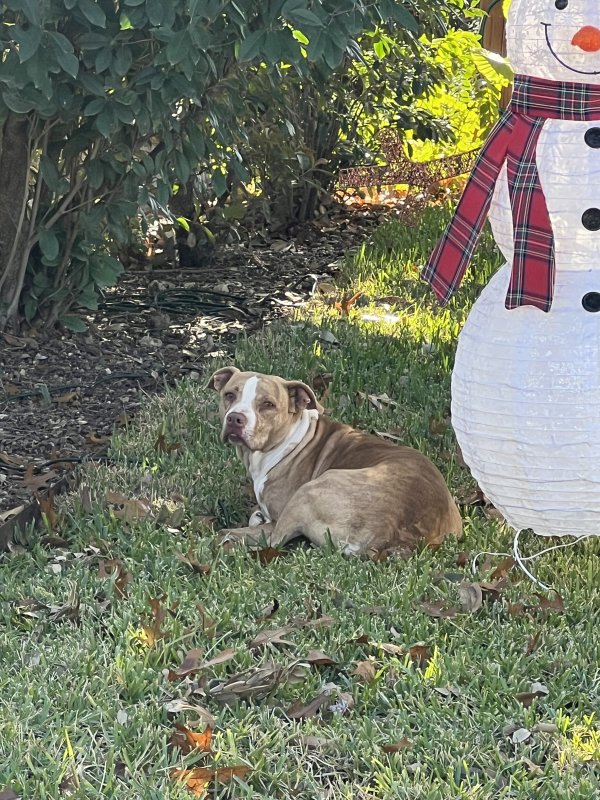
[{"x": 87, "y": 705}]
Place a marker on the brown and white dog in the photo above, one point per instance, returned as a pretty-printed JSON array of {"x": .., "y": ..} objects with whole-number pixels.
[{"x": 316, "y": 478}]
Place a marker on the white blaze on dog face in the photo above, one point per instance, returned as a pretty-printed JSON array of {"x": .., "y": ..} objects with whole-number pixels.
[
  {"x": 258, "y": 411},
  {"x": 555, "y": 39}
]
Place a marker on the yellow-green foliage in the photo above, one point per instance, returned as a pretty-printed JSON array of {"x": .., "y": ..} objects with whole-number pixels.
[{"x": 467, "y": 99}]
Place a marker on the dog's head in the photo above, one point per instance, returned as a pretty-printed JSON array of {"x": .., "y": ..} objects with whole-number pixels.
[{"x": 258, "y": 411}]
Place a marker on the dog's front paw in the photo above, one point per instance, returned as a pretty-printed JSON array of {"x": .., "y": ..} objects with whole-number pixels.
[
  {"x": 257, "y": 518},
  {"x": 254, "y": 537}
]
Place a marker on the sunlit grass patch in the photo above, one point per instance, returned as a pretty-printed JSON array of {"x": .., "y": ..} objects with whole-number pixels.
[{"x": 85, "y": 697}]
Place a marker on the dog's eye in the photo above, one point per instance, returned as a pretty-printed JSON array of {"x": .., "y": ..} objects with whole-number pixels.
[
  {"x": 268, "y": 404},
  {"x": 229, "y": 396},
  {"x": 561, "y": 4}
]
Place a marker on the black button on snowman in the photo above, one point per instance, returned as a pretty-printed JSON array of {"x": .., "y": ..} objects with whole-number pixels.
[{"x": 526, "y": 380}]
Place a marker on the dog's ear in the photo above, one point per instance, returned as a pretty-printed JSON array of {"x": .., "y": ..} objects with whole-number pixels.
[
  {"x": 301, "y": 397},
  {"x": 222, "y": 376}
]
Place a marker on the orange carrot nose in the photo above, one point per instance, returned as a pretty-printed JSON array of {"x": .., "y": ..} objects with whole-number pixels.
[{"x": 588, "y": 38}]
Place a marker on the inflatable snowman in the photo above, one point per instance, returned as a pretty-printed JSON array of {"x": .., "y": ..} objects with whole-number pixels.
[{"x": 526, "y": 380}]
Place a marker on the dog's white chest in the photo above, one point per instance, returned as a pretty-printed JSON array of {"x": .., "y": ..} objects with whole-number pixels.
[{"x": 261, "y": 464}]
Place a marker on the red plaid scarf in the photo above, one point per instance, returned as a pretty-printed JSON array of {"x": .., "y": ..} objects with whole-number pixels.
[{"x": 514, "y": 140}]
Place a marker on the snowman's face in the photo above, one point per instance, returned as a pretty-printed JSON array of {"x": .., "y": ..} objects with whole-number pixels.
[{"x": 555, "y": 39}]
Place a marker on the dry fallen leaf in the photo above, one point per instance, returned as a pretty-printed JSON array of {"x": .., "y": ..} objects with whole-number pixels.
[
  {"x": 192, "y": 563},
  {"x": 268, "y": 611},
  {"x": 378, "y": 401},
  {"x": 48, "y": 511},
  {"x": 10, "y": 513},
  {"x": 343, "y": 704},
  {"x": 107, "y": 568},
  {"x": 546, "y": 727},
  {"x": 273, "y": 637},
  {"x": 520, "y": 735},
  {"x": 9, "y": 794},
  {"x": 197, "y": 780},
  {"x": 257, "y": 682},
  {"x": 319, "y": 659},
  {"x": 127, "y": 508},
  {"x": 68, "y": 398},
  {"x": 388, "y": 647},
  {"x": 154, "y": 632},
  {"x": 163, "y": 446},
  {"x": 537, "y": 690},
  {"x": 267, "y": 554},
  {"x": 438, "y": 610},
  {"x": 470, "y": 597},
  {"x": 556, "y": 604},
  {"x": 503, "y": 568},
  {"x": 533, "y": 643},
  {"x": 40, "y": 481},
  {"x": 190, "y": 741},
  {"x": 178, "y": 705},
  {"x": 189, "y": 664},
  {"x": 221, "y": 658},
  {"x": 365, "y": 670},
  {"x": 398, "y": 747},
  {"x": 97, "y": 441},
  {"x": 419, "y": 654},
  {"x": 346, "y": 303},
  {"x": 313, "y": 742},
  {"x": 309, "y": 710}
]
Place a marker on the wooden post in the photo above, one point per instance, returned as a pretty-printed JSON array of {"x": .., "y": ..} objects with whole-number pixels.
[{"x": 493, "y": 36}]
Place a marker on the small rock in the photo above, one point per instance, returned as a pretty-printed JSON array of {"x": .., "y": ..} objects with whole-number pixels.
[
  {"x": 221, "y": 287},
  {"x": 149, "y": 343}
]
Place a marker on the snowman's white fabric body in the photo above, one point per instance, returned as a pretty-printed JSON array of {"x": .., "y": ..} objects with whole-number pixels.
[{"x": 526, "y": 382}]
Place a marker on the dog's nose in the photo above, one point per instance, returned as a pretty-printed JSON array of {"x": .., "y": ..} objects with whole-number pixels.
[{"x": 236, "y": 420}]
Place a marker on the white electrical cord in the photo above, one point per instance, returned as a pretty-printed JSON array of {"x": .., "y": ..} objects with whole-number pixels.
[{"x": 520, "y": 559}]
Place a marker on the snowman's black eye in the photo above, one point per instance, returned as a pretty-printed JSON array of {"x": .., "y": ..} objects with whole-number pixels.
[{"x": 561, "y": 4}]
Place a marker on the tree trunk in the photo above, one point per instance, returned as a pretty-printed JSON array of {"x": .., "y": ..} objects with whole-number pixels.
[{"x": 14, "y": 179}]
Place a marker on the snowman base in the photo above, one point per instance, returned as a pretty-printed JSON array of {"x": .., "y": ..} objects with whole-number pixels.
[{"x": 526, "y": 406}]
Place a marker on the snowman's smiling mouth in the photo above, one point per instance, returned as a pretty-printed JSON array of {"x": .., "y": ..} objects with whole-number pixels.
[{"x": 547, "y": 27}]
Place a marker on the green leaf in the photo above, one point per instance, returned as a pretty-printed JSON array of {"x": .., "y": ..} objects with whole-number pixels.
[
  {"x": 182, "y": 167},
  {"x": 88, "y": 299},
  {"x": 49, "y": 245},
  {"x": 104, "y": 59},
  {"x": 397, "y": 12},
  {"x": 105, "y": 270},
  {"x": 95, "y": 172},
  {"x": 73, "y": 323},
  {"x": 92, "y": 83},
  {"x": 18, "y": 103},
  {"x": 122, "y": 61},
  {"x": 95, "y": 106},
  {"x": 105, "y": 122},
  {"x": 30, "y": 8},
  {"x": 93, "y": 12},
  {"x": 28, "y": 40},
  {"x": 156, "y": 12},
  {"x": 300, "y": 37},
  {"x": 333, "y": 54},
  {"x": 69, "y": 62},
  {"x": 302, "y": 17},
  {"x": 219, "y": 182},
  {"x": 178, "y": 47},
  {"x": 491, "y": 65},
  {"x": 94, "y": 40},
  {"x": 251, "y": 45},
  {"x": 50, "y": 174},
  {"x": 124, "y": 113},
  {"x": 30, "y": 307}
]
